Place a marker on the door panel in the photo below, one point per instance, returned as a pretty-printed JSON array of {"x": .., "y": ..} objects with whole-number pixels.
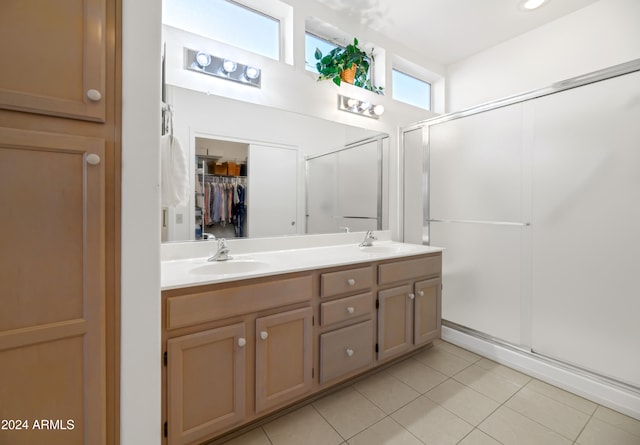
[
  {"x": 427, "y": 311},
  {"x": 206, "y": 383},
  {"x": 395, "y": 325},
  {"x": 42, "y": 78},
  {"x": 272, "y": 197},
  {"x": 52, "y": 343},
  {"x": 283, "y": 357}
]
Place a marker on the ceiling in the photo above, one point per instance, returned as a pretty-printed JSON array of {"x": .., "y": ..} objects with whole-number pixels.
[{"x": 446, "y": 31}]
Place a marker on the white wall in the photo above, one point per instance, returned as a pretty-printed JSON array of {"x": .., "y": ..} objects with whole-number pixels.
[
  {"x": 140, "y": 419},
  {"x": 603, "y": 34}
]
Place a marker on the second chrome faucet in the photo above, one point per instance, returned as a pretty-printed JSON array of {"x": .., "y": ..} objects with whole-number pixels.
[
  {"x": 222, "y": 254},
  {"x": 369, "y": 238}
]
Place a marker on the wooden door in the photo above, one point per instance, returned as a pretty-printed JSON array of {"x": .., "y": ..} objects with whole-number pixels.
[
  {"x": 395, "y": 321},
  {"x": 284, "y": 357},
  {"x": 53, "y": 57},
  {"x": 206, "y": 383},
  {"x": 52, "y": 318},
  {"x": 427, "y": 311}
]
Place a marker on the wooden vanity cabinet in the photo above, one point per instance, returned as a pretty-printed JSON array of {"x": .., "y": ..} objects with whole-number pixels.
[
  {"x": 235, "y": 352},
  {"x": 408, "y": 312},
  {"x": 238, "y": 351}
]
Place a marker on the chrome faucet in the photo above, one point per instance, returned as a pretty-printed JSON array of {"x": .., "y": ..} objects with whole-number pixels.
[
  {"x": 369, "y": 238},
  {"x": 222, "y": 254}
]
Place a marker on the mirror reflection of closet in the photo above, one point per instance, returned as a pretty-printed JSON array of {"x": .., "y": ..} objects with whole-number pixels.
[{"x": 220, "y": 189}]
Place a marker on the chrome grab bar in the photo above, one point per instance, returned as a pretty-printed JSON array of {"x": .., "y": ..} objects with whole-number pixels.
[{"x": 471, "y": 221}]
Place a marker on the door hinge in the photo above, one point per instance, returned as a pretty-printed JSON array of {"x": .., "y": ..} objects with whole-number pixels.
[
  {"x": 166, "y": 429},
  {"x": 165, "y": 359},
  {"x": 377, "y": 304},
  {"x": 313, "y": 320},
  {"x": 376, "y": 347}
]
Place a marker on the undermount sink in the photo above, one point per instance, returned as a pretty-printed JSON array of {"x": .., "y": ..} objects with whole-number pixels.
[
  {"x": 382, "y": 249},
  {"x": 229, "y": 267}
]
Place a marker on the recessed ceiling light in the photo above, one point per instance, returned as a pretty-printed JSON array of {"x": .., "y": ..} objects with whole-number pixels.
[{"x": 532, "y": 4}]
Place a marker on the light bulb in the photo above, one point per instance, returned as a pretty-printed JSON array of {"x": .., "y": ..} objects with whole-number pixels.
[
  {"x": 229, "y": 66},
  {"x": 203, "y": 59},
  {"x": 251, "y": 72},
  {"x": 364, "y": 105},
  {"x": 532, "y": 4},
  {"x": 378, "y": 110},
  {"x": 351, "y": 102}
]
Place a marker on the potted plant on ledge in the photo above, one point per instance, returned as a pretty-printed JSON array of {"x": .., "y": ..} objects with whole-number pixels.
[{"x": 349, "y": 64}]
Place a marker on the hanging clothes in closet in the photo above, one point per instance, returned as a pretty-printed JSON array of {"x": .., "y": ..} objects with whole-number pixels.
[{"x": 224, "y": 202}]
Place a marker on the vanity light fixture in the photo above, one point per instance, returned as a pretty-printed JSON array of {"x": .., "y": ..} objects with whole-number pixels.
[
  {"x": 361, "y": 107},
  {"x": 206, "y": 63}
]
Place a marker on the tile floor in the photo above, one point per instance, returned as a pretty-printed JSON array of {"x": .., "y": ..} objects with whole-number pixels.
[{"x": 447, "y": 395}]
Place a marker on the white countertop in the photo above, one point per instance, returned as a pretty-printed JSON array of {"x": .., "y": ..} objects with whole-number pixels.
[{"x": 198, "y": 271}]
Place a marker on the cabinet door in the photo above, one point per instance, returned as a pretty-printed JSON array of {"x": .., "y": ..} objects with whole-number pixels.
[
  {"x": 426, "y": 311},
  {"x": 206, "y": 383},
  {"x": 54, "y": 62},
  {"x": 52, "y": 285},
  {"x": 283, "y": 357},
  {"x": 395, "y": 321}
]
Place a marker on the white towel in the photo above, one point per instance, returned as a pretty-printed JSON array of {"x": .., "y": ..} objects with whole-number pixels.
[{"x": 174, "y": 173}]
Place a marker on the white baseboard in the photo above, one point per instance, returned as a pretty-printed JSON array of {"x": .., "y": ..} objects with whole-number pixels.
[{"x": 612, "y": 396}]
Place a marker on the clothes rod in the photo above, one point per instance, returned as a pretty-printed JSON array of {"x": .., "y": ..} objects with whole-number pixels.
[{"x": 469, "y": 221}]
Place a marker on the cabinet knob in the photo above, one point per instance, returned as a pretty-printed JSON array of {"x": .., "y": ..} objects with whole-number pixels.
[
  {"x": 349, "y": 352},
  {"x": 93, "y": 159},
  {"x": 421, "y": 293},
  {"x": 94, "y": 95},
  {"x": 242, "y": 342},
  {"x": 351, "y": 309},
  {"x": 264, "y": 335},
  {"x": 411, "y": 296},
  {"x": 351, "y": 282}
]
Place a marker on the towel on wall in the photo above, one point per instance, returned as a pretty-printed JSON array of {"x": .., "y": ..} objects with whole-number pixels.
[{"x": 174, "y": 173}]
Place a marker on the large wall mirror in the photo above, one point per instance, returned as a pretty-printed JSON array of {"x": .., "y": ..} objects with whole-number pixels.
[{"x": 295, "y": 174}]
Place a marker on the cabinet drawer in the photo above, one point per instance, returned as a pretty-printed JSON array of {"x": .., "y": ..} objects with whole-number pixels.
[
  {"x": 351, "y": 280},
  {"x": 409, "y": 269},
  {"x": 219, "y": 304},
  {"x": 346, "y": 308},
  {"x": 346, "y": 350}
]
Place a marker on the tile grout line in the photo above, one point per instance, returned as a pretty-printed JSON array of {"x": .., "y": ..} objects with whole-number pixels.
[
  {"x": 575, "y": 441},
  {"x": 266, "y": 435},
  {"x": 329, "y": 423}
]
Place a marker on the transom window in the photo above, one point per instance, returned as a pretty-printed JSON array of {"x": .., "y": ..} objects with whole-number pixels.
[
  {"x": 311, "y": 42},
  {"x": 227, "y": 22},
  {"x": 410, "y": 90}
]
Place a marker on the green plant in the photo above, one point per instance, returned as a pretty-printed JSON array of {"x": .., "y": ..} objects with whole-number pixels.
[{"x": 340, "y": 59}]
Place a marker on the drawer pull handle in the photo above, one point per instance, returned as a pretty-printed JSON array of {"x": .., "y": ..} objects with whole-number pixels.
[
  {"x": 411, "y": 296},
  {"x": 242, "y": 342},
  {"x": 351, "y": 310},
  {"x": 421, "y": 293},
  {"x": 349, "y": 352},
  {"x": 351, "y": 282},
  {"x": 264, "y": 335}
]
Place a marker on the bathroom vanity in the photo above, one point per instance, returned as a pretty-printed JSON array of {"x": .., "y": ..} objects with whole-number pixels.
[{"x": 247, "y": 337}]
